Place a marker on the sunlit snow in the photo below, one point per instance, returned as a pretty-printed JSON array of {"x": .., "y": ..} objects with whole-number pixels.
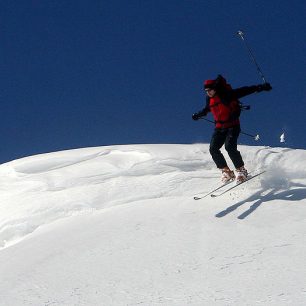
[{"x": 118, "y": 226}]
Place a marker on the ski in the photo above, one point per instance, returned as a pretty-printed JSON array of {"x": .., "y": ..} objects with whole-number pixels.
[
  {"x": 212, "y": 191},
  {"x": 213, "y": 195}
]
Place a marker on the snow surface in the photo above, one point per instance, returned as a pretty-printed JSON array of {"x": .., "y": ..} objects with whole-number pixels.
[{"x": 118, "y": 225}]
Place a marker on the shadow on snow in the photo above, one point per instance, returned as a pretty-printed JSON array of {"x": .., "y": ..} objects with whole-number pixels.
[{"x": 297, "y": 193}]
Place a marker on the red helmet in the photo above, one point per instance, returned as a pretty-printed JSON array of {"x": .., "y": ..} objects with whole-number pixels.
[{"x": 209, "y": 84}]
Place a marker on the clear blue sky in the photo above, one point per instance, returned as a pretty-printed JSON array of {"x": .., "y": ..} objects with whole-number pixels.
[{"x": 89, "y": 73}]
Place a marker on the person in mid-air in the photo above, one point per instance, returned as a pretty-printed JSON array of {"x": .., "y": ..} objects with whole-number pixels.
[{"x": 223, "y": 102}]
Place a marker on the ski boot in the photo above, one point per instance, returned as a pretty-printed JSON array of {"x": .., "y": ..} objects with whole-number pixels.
[
  {"x": 227, "y": 175},
  {"x": 242, "y": 175}
]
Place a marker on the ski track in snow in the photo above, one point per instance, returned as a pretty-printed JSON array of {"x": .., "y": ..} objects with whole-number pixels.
[{"x": 143, "y": 194}]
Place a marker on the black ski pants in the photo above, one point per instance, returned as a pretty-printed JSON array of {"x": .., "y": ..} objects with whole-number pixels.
[{"x": 229, "y": 138}]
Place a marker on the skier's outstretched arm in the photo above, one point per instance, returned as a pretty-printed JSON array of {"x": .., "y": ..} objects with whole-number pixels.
[
  {"x": 247, "y": 90},
  {"x": 202, "y": 112}
]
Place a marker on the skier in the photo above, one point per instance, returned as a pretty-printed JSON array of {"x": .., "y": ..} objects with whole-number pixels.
[{"x": 222, "y": 101}]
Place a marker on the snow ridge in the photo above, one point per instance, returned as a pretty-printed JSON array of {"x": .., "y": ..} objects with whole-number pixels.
[
  {"x": 41, "y": 189},
  {"x": 124, "y": 218}
]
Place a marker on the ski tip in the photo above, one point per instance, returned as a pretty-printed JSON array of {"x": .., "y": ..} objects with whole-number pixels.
[
  {"x": 196, "y": 198},
  {"x": 213, "y": 195}
]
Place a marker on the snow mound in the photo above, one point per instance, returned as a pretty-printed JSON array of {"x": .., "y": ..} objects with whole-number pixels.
[
  {"x": 118, "y": 225},
  {"x": 41, "y": 189}
]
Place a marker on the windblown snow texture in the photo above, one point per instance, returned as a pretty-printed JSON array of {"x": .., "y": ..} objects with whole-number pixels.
[{"x": 118, "y": 226}]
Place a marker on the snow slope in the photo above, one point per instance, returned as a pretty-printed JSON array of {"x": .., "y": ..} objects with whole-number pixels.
[{"x": 118, "y": 226}]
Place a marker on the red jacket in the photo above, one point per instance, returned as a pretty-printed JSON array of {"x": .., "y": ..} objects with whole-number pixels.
[
  {"x": 226, "y": 115},
  {"x": 225, "y": 106}
]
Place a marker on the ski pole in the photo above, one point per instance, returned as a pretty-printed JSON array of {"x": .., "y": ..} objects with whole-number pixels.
[
  {"x": 255, "y": 137},
  {"x": 241, "y": 34}
]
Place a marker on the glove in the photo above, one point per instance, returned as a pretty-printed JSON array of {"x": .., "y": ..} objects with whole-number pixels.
[
  {"x": 264, "y": 87},
  {"x": 196, "y": 116}
]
